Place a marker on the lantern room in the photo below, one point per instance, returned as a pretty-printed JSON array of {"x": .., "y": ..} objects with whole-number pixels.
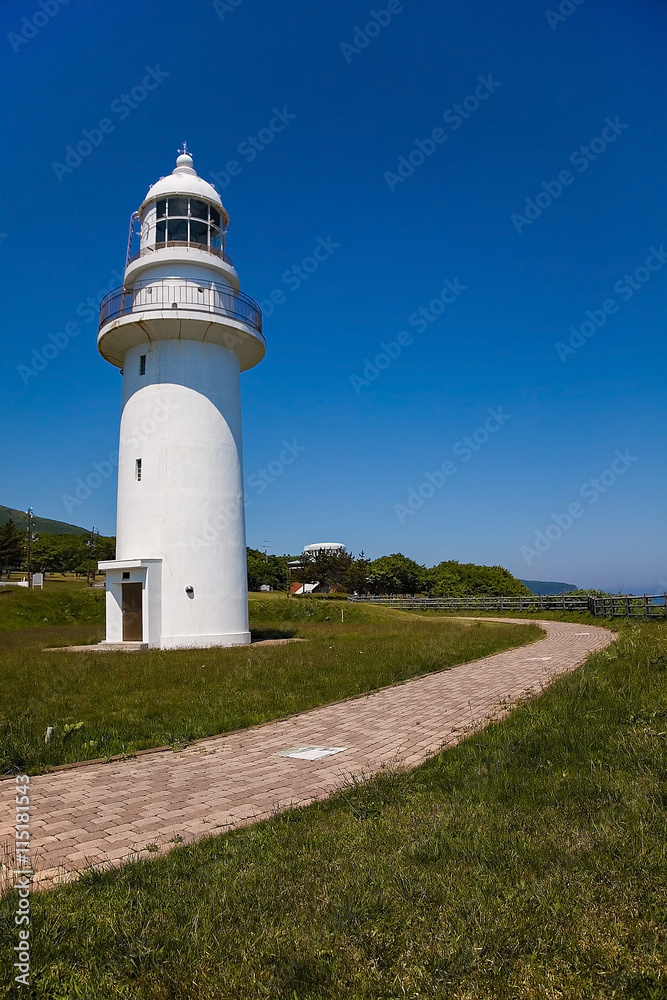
[{"x": 181, "y": 211}]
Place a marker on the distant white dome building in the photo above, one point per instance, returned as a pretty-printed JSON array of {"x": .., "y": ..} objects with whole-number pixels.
[
  {"x": 324, "y": 547},
  {"x": 329, "y": 548}
]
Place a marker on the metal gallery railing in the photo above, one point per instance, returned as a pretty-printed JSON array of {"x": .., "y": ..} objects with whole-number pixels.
[{"x": 174, "y": 293}]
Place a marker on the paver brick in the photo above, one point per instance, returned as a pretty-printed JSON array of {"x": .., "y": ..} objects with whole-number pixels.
[{"x": 110, "y": 812}]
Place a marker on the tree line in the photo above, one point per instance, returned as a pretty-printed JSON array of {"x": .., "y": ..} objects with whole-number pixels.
[
  {"x": 66, "y": 553},
  {"x": 338, "y": 570},
  {"x": 393, "y": 574}
]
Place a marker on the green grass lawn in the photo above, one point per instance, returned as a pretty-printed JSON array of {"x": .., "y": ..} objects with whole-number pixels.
[
  {"x": 528, "y": 862},
  {"x": 128, "y": 702},
  {"x": 67, "y": 605}
]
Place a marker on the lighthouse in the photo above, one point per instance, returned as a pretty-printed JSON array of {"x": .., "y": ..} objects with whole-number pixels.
[{"x": 181, "y": 331}]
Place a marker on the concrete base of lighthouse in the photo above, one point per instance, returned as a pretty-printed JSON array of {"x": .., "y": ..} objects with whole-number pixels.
[
  {"x": 134, "y": 610},
  {"x": 206, "y": 641}
]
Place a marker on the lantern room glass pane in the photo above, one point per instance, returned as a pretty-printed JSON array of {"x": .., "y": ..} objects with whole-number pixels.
[
  {"x": 178, "y": 206},
  {"x": 186, "y": 220},
  {"x": 178, "y": 230},
  {"x": 199, "y": 232},
  {"x": 198, "y": 209}
]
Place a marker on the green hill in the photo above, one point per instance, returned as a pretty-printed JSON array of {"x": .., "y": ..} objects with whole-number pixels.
[
  {"x": 544, "y": 587},
  {"x": 42, "y": 525}
]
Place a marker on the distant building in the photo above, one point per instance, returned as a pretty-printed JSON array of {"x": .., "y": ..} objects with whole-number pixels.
[
  {"x": 299, "y": 589},
  {"x": 313, "y": 587},
  {"x": 330, "y": 547}
]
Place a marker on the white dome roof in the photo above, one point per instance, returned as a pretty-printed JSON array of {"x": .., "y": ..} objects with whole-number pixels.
[
  {"x": 184, "y": 179},
  {"x": 323, "y": 545}
]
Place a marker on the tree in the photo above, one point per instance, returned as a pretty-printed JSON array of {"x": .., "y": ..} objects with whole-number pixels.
[
  {"x": 326, "y": 566},
  {"x": 12, "y": 547},
  {"x": 68, "y": 553},
  {"x": 106, "y": 547},
  {"x": 396, "y": 574},
  {"x": 266, "y": 570},
  {"x": 588, "y": 593},
  {"x": 453, "y": 579},
  {"x": 357, "y": 576},
  {"x": 48, "y": 555}
]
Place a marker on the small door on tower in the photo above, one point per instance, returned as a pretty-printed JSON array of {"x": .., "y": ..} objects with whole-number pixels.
[{"x": 133, "y": 629}]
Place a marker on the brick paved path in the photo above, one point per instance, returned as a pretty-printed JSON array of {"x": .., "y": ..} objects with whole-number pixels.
[{"x": 109, "y": 812}]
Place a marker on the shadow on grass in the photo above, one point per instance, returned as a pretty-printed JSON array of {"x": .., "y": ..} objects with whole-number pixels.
[
  {"x": 36, "y": 639},
  {"x": 259, "y": 634},
  {"x": 90, "y": 635}
]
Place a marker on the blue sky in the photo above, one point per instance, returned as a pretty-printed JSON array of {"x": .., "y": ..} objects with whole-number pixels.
[{"x": 542, "y": 490}]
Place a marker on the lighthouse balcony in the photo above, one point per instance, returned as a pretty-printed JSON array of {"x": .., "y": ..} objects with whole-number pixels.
[
  {"x": 164, "y": 294},
  {"x": 157, "y": 308}
]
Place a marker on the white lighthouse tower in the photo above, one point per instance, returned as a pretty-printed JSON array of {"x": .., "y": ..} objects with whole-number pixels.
[{"x": 181, "y": 331}]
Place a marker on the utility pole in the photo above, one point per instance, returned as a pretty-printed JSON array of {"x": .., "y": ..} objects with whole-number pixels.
[
  {"x": 91, "y": 545},
  {"x": 28, "y": 544}
]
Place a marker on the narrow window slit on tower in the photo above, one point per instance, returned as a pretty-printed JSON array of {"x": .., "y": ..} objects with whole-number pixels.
[
  {"x": 142, "y": 364},
  {"x": 137, "y": 470}
]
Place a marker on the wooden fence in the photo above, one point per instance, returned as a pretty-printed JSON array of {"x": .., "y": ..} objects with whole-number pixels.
[
  {"x": 629, "y": 606},
  {"x": 620, "y": 606}
]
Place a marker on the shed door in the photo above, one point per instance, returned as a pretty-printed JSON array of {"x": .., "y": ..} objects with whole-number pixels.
[{"x": 133, "y": 630}]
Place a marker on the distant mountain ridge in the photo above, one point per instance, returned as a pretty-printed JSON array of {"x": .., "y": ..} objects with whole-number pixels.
[
  {"x": 546, "y": 588},
  {"x": 41, "y": 524}
]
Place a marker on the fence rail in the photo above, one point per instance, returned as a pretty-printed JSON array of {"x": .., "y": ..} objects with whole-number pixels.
[
  {"x": 619, "y": 606},
  {"x": 630, "y": 606}
]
